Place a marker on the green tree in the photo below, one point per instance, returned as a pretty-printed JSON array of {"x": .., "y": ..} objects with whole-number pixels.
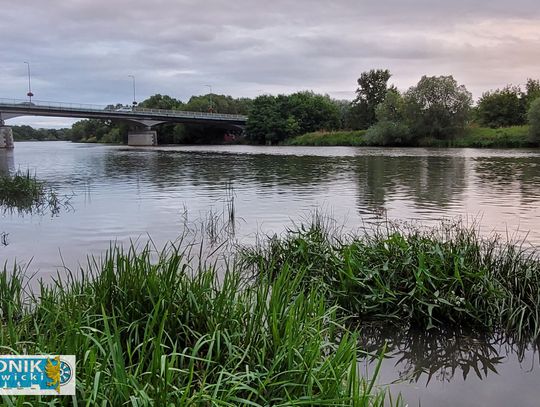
[
  {"x": 390, "y": 128},
  {"x": 437, "y": 107},
  {"x": 533, "y": 116},
  {"x": 265, "y": 122},
  {"x": 90, "y": 129},
  {"x": 532, "y": 89},
  {"x": 273, "y": 119},
  {"x": 218, "y": 104},
  {"x": 371, "y": 91},
  {"x": 312, "y": 111},
  {"x": 501, "y": 108},
  {"x": 159, "y": 101}
]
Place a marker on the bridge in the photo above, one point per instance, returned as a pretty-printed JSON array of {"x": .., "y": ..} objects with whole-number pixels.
[{"x": 143, "y": 120}]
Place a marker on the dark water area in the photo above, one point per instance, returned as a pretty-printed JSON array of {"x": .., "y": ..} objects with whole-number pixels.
[{"x": 122, "y": 194}]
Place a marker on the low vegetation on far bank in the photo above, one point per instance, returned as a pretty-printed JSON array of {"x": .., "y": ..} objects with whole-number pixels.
[
  {"x": 436, "y": 111},
  {"x": 331, "y": 138},
  {"x": 473, "y": 136}
]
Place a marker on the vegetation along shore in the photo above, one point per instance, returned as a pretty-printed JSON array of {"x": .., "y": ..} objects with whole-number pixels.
[
  {"x": 277, "y": 324},
  {"x": 437, "y": 111}
]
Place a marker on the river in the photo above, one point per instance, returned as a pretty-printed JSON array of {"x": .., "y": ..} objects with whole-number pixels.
[{"x": 122, "y": 194}]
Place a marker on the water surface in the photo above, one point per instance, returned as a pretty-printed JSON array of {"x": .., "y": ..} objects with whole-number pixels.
[{"x": 127, "y": 194}]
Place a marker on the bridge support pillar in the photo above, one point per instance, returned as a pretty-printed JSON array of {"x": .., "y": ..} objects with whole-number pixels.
[
  {"x": 142, "y": 138},
  {"x": 6, "y": 137}
]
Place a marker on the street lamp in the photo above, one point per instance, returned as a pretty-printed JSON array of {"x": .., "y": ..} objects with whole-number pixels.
[
  {"x": 211, "y": 107},
  {"x": 29, "y": 94},
  {"x": 134, "y": 99}
]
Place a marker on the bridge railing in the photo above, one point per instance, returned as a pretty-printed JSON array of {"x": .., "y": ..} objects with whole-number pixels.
[{"x": 114, "y": 109}]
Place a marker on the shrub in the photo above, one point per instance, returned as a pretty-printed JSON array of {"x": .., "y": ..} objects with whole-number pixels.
[
  {"x": 534, "y": 120},
  {"x": 387, "y": 133}
]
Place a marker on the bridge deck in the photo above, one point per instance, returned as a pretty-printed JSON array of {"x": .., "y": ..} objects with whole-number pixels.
[{"x": 15, "y": 107}]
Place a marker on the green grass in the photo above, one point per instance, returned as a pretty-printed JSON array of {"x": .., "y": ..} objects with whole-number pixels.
[
  {"x": 157, "y": 332},
  {"x": 24, "y": 193},
  {"x": 448, "y": 276},
  {"x": 275, "y": 325},
  {"x": 336, "y": 138},
  {"x": 477, "y": 137},
  {"x": 485, "y": 137},
  {"x": 21, "y": 190}
]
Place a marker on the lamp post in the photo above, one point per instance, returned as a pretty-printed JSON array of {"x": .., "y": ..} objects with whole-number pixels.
[
  {"x": 134, "y": 99},
  {"x": 29, "y": 94},
  {"x": 211, "y": 107}
]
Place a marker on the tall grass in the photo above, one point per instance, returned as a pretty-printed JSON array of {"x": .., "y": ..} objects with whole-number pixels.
[
  {"x": 473, "y": 136},
  {"x": 159, "y": 332},
  {"x": 333, "y": 138},
  {"x": 23, "y": 193},
  {"x": 426, "y": 277}
]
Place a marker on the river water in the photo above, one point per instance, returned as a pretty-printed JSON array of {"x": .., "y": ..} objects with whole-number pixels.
[{"x": 124, "y": 194}]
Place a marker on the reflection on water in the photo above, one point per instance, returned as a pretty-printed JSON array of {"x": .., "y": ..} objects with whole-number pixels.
[
  {"x": 122, "y": 193},
  {"x": 428, "y": 366},
  {"x": 128, "y": 194},
  {"x": 7, "y": 161}
]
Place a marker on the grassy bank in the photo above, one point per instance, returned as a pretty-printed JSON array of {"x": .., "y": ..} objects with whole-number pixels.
[
  {"x": 155, "y": 332},
  {"x": 476, "y": 137},
  {"x": 335, "y": 138}
]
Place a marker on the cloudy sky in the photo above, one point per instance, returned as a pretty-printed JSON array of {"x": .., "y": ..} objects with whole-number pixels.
[{"x": 83, "y": 50}]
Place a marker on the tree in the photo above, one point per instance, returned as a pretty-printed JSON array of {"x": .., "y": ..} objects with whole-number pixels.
[
  {"x": 272, "y": 119},
  {"x": 264, "y": 120},
  {"x": 437, "y": 107},
  {"x": 390, "y": 128},
  {"x": 372, "y": 88},
  {"x": 162, "y": 102},
  {"x": 312, "y": 111},
  {"x": 501, "y": 108},
  {"x": 532, "y": 88},
  {"x": 533, "y": 116}
]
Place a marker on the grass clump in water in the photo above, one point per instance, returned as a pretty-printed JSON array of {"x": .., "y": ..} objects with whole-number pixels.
[
  {"x": 24, "y": 193},
  {"x": 160, "y": 333},
  {"x": 427, "y": 277}
]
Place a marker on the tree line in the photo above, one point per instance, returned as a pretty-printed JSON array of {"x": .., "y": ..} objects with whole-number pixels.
[{"x": 437, "y": 107}]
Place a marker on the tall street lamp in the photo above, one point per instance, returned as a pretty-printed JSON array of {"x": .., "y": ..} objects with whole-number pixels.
[
  {"x": 134, "y": 99},
  {"x": 29, "y": 94},
  {"x": 211, "y": 107}
]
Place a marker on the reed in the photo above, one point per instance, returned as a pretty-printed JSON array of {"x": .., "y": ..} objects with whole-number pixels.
[
  {"x": 23, "y": 193},
  {"x": 151, "y": 329},
  {"x": 444, "y": 276}
]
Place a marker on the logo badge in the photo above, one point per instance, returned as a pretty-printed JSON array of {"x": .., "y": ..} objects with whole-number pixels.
[{"x": 37, "y": 375}]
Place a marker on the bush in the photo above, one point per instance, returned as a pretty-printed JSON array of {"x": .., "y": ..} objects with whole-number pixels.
[
  {"x": 501, "y": 108},
  {"x": 437, "y": 107},
  {"x": 534, "y": 120},
  {"x": 387, "y": 133}
]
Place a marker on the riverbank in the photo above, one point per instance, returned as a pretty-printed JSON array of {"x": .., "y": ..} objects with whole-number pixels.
[
  {"x": 476, "y": 137},
  {"x": 277, "y": 324},
  {"x": 161, "y": 332}
]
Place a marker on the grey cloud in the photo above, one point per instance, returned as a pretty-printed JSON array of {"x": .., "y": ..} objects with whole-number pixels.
[{"x": 83, "y": 50}]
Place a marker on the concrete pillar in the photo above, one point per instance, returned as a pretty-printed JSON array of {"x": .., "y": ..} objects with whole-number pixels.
[
  {"x": 142, "y": 138},
  {"x": 6, "y": 137}
]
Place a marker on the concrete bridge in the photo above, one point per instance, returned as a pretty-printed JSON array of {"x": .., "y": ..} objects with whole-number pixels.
[{"x": 143, "y": 120}]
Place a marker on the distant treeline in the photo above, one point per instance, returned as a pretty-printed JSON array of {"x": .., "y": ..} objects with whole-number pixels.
[
  {"x": 107, "y": 131},
  {"x": 27, "y": 133},
  {"x": 434, "y": 111}
]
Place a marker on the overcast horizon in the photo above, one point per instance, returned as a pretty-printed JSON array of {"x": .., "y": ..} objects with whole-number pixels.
[{"x": 83, "y": 51}]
